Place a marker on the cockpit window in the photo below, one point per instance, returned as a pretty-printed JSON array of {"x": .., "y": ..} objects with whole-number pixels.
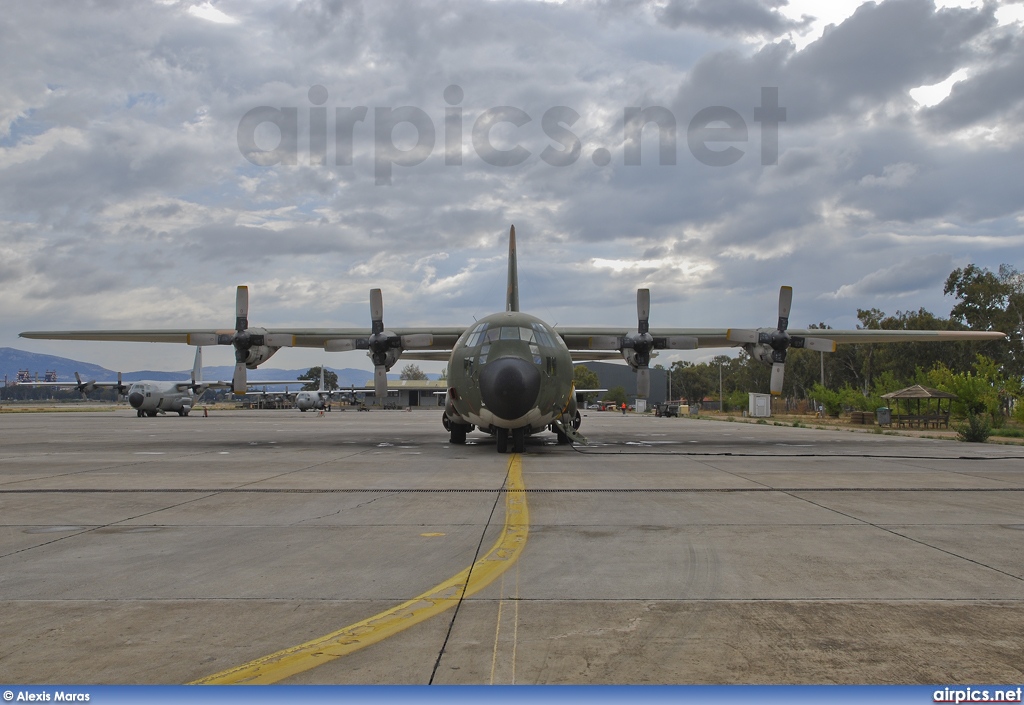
[{"x": 476, "y": 335}]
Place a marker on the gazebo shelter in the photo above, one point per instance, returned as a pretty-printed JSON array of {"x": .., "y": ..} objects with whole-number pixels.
[{"x": 910, "y": 413}]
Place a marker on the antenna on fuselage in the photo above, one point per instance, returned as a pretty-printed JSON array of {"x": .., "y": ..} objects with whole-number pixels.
[{"x": 512, "y": 297}]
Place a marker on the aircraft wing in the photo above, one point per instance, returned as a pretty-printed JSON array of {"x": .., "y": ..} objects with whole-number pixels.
[
  {"x": 589, "y": 343},
  {"x": 443, "y": 338},
  {"x": 227, "y": 384},
  {"x": 586, "y": 343},
  {"x": 72, "y": 385}
]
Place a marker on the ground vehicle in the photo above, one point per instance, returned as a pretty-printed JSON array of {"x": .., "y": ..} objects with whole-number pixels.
[{"x": 667, "y": 408}]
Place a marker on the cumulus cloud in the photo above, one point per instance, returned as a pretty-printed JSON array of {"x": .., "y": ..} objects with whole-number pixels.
[{"x": 125, "y": 199}]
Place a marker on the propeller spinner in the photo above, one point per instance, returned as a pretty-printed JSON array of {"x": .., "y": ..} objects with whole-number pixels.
[{"x": 771, "y": 345}]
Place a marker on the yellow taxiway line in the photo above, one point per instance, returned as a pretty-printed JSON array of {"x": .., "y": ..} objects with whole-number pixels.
[{"x": 296, "y": 659}]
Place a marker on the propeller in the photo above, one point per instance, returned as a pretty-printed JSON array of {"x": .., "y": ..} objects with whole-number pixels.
[
  {"x": 383, "y": 346},
  {"x": 642, "y": 343},
  {"x": 86, "y": 387},
  {"x": 244, "y": 340},
  {"x": 771, "y": 345}
]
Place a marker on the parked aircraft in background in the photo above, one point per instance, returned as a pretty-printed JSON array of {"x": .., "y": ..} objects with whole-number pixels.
[
  {"x": 319, "y": 398},
  {"x": 511, "y": 374},
  {"x": 152, "y": 397}
]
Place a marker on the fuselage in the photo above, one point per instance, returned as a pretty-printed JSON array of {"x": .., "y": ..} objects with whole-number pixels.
[
  {"x": 309, "y": 400},
  {"x": 510, "y": 370},
  {"x": 149, "y": 398}
]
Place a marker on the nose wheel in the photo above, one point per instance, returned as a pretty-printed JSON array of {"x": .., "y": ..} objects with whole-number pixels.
[{"x": 501, "y": 438}]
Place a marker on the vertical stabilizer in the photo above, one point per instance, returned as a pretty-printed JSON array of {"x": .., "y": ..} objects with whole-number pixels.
[
  {"x": 197, "y": 367},
  {"x": 512, "y": 296},
  {"x": 323, "y": 387}
]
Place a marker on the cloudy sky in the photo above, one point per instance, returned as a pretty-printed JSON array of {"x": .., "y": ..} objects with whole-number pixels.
[{"x": 153, "y": 155}]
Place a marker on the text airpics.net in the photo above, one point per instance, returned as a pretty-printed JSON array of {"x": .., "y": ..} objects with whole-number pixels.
[
  {"x": 277, "y": 128},
  {"x": 977, "y": 695}
]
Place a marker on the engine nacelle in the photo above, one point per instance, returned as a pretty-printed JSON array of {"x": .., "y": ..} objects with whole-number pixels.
[
  {"x": 390, "y": 357},
  {"x": 760, "y": 352},
  {"x": 258, "y": 355},
  {"x": 629, "y": 355},
  {"x": 258, "y": 352}
]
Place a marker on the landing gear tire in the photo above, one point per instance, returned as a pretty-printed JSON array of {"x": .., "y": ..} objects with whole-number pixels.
[
  {"x": 151, "y": 414},
  {"x": 518, "y": 440},
  {"x": 139, "y": 413},
  {"x": 458, "y": 434},
  {"x": 562, "y": 438},
  {"x": 501, "y": 439}
]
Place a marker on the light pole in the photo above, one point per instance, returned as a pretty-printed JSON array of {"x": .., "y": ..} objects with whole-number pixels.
[{"x": 721, "y": 399}]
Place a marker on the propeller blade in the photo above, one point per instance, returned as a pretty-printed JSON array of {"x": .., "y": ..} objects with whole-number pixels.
[
  {"x": 643, "y": 309},
  {"x": 417, "y": 340},
  {"x": 741, "y": 335},
  {"x": 785, "y": 304},
  {"x": 643, "y": 382},
  {"x": 380, "y": 383},
  {"x": 778, "y": 370},
  {"x": 238, "y": 381},
  {"x": 340, "y": 345},
  {"x": 377, "y": 310},
  {"x": 819, "y": 344},
  {"x": 241, "y": 308}
]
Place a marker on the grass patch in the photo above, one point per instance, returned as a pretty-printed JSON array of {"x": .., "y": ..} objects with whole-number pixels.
[{"x": 1008, "y": 432}]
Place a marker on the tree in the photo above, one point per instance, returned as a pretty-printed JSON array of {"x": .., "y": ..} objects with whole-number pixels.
[
  {"x": 585, "y": 378},
  {"x": 313, "y": 375},
  {"x": 693, "y": 382},
  {"x": 989, "y": 301},
  {"x": 617, "y": 395},
  {"x": 412, "y": 371}
]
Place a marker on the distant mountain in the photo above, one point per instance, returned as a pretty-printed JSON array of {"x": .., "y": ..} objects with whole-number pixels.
[{"x": 12, "y": 360}]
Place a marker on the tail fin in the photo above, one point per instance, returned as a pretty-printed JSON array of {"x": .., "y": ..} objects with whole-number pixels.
[
  {"x": 197, "y": 367},
  {"x": 512, "y": 296},
  {"x": 323, "y": 387}
]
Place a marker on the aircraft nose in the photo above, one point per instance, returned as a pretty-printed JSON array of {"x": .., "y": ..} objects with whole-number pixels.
[
  {"x": 135, "y": 399},
  {"x": 509, "y": 387}
]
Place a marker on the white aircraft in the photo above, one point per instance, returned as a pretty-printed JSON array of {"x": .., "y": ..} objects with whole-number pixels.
[
  {"x": 317, "y": 398},
  {"x": 511, "y": 374},
  {"x": 152, "y": 397}
]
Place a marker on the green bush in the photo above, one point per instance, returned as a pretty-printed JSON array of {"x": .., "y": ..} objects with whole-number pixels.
[
  {"x": 832, "y": 401},
  {"x": 975, "y": 429}
]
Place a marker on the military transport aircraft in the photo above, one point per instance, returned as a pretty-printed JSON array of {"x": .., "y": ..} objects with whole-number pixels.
[
  {"x": 150, "y": 397},
  {"x": 317, "y": 398},
  {"x": 511, "y": 374}
]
